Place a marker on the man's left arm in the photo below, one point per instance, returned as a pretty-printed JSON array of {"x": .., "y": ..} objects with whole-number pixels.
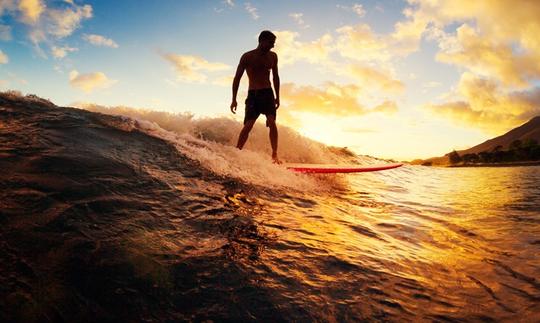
[{"x": 275, "y": 76}]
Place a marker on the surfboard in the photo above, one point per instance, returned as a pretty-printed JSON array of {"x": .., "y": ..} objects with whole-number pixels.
[{"x": 329, "y": 168}]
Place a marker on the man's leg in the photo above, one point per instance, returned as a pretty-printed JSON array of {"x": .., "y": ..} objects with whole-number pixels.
[
  {"x": 242, "y": 138},
  {"x": 271, "y": 123}
]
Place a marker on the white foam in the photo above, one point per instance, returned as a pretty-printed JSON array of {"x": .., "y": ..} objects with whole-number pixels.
[{"x": 211, "y": 141}]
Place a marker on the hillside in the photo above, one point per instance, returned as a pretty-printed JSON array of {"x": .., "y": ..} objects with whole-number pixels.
[
  {"x": 527, "y": 131},
  {"x": 524, "y": 133}
]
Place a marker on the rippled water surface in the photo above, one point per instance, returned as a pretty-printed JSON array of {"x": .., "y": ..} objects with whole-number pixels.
[
  {"x": 410, "y": 243},
  {"x": 109, "y": 219}
]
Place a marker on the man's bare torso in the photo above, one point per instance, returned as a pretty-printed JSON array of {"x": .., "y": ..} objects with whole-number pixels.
[{"x": 258, "y": 66}]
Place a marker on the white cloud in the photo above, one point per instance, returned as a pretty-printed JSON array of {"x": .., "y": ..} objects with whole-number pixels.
[
  {"x": 62, "y": 23},
  {"x": 252, "y": 10},
  {"x": 3, "y": 58},
  {"x": 356, "y": 8},
  {"x": 99, "y": 40},
  {"x": 230, "y": 3},
  {"x": 190, "y": 68},
  {"x": 359, "y": 10},
  {"x": 297, "y": 17},
  {"x": 90, "y": 81},
  {"x": 61, "y": 52}
]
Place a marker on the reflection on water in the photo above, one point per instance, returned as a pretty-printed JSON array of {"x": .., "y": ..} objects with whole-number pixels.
[
  {"x": 109, "y": 224},
  {"x": 430, "y": 243}
]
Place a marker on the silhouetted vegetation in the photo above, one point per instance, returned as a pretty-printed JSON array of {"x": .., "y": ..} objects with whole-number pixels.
[{"x": 517, "y": 151}]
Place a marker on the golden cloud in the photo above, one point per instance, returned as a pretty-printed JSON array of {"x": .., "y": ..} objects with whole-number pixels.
[
  {"x": 486, "y": 106},
  {"x": 480, "y": 55},
  {"x": 503, "y": 44},
  {"x": 31, "y": 10},
  {"x": 99, "y": 40},
  {"x": 361, "y": 43},
  {"x": 387, "y": 107},
  {"x": 4, "y": 59},
  {"x": 189, "y": 68},
  {"x": 61, "y": 52},
  {"x": 371, "y": 77},
  {"x": 89, "y": 82},
  {"x": 332, "y": 99},
  {"x": 291, "y": 50}
]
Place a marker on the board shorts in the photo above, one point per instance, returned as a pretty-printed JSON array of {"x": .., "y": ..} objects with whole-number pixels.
[{"x": 260, "y": 101}]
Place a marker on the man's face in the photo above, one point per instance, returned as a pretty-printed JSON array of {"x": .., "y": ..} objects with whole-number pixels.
[{"x": 267, "y": 44}]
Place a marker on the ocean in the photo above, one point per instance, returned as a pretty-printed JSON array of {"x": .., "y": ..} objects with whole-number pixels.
[{"x": 151, "y": 216}]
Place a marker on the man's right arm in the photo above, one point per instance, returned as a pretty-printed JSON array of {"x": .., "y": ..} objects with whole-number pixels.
[{"x": 236, "y": 82}]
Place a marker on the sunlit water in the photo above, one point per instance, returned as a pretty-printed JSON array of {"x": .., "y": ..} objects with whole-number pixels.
[
  {"x": 408, "y": 244},
  {"x": 412, "y": 243},
  {"x": 160, "y": 218}
]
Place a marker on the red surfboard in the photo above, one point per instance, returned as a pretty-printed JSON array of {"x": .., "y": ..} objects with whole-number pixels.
[{"x": 329, "y": 168}]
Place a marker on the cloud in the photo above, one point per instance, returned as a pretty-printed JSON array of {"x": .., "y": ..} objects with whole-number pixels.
[
  {"x": 291, "y": 50},
  {"x": 483, "y": 104},
  {"x": 190, "y": 68},
  {"x": 252, "y": 10},
  {"x": 89, "y": 82},
  {"x": 330, "y": 99},
  {"x": 62, "y": 23},
  {"x": 61, "y": 52},
  {"x": 230, "y": 3},
  {"x": 481, "y": 56},
  {"x": 5, "y": 32},
  {"x": 359, "y": 10},
  {"x": 375, "y": 78},
  {"x": 387, "y": 107},
  {"x": 356, "y": 8},
  {"x": 45, "y": 23},
  {"x": 297, "y": 17},
  {"x": 360, "y": 43},
  {"x": 99, "y": 40},
  {"x": 3, "y": 58},
  {"x": 31, "y": 10},
  {"x": 497, "y": 38}
]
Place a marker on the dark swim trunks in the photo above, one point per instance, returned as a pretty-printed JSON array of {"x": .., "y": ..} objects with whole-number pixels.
[{"x": 259, "y": 102}]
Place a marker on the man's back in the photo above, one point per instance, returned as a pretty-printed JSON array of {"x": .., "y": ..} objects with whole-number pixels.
[{"x": 258, "y": 66}]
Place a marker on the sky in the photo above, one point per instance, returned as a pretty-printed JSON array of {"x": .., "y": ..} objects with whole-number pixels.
[{"x": 387, "y": 78}]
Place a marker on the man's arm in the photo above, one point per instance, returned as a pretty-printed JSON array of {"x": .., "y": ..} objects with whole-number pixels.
[
  {"x": 236, "y": 81},
  {"x": 275, "y": 76}
]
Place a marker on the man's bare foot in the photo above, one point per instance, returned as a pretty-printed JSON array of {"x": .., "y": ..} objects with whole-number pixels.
[{"x": 276, "y": 160}]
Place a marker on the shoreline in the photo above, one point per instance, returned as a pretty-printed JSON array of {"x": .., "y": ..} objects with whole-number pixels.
[{"x": 506, "y": 164}]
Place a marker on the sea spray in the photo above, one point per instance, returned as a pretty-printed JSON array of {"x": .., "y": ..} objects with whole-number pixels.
[{"x": 211, "y": 141}]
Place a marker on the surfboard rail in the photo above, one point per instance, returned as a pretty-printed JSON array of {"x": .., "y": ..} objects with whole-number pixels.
[{"x": 330, "y": 168}]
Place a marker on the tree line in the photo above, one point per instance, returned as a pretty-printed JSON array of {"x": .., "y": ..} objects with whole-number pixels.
[{"x": 517, "y": 151}]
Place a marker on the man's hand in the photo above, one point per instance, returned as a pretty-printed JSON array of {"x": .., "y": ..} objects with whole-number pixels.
[
  {"x": 234, "y": 104},
  {"x": 276, "y": 102}
]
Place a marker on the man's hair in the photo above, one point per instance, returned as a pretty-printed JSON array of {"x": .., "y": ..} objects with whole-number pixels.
[{"x": 266, "y": 35}]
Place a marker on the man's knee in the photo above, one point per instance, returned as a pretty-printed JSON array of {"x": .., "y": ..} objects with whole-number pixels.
[
  {"x": 248, "y": 125},
  {"x": 271, "y": 122}
]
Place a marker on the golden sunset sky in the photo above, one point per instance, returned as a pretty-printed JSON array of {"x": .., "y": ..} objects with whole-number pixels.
[{"x": 392, "y": 79}]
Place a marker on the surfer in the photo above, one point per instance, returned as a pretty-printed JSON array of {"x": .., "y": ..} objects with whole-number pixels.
[{"x": 260, "y": 99}]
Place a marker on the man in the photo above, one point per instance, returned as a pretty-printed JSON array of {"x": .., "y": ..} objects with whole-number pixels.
[{"x": 260, "y": 100}]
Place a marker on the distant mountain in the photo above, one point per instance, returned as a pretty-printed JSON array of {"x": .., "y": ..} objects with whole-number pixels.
[{"x": 529, "y": 130}]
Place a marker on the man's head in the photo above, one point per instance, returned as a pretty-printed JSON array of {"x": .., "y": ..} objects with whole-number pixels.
[{"x": 266, "y": 40}]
